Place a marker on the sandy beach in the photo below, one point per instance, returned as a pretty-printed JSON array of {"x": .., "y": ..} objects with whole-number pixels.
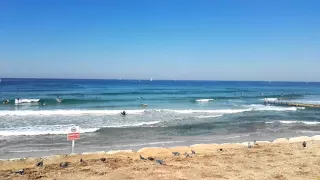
[{"x": 280, "y": 159}]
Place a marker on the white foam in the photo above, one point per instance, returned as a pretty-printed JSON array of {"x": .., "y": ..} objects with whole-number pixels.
[
  {"x": 60, "y": 129},
  {"x": 204, "y": 100},
  {"x": 258, "y": 107},
  {"x": 67, "y": 112},
  {"x": 28, "y": 131},
  {"x": 112, "y": 112},
  {"x": 308, "y": 101},
  {"x": 221, "y": 111},
  {"x": 295, "y": 122},
  {"x": 21, "y": 101},
  {"x": 213, "y": 116},
  {"x": 133, "y": 125},
  {"x": 270, "y": 99}
]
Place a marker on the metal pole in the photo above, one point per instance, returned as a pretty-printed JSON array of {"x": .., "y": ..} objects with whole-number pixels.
[{"x": 72, "y": 146}]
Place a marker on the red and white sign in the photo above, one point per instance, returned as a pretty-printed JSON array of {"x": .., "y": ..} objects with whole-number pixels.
[{"x": 73, "y": 133}]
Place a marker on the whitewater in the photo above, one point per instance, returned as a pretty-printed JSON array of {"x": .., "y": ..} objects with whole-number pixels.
[{"x": 162, "y": 113}]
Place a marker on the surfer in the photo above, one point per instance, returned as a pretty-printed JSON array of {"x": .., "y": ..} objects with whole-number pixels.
[
  {"x": 59, "y": 100},
  {"x": 123, "y": 113},
  {"x": 144, "y": 105},
  {"x": 6, "y": 102}
]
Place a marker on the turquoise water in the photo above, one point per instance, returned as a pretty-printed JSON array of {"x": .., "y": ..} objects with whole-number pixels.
[{"x": 177, "y": 113}]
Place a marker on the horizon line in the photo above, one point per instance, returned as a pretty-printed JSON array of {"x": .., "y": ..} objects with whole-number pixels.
[{"x": 124, "y": 79}]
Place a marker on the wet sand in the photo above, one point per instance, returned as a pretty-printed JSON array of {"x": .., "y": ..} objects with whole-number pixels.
[{"x": 282, "y": 159}]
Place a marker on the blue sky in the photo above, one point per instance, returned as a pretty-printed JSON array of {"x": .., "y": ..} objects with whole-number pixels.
[{"x": 167, "y": 39}]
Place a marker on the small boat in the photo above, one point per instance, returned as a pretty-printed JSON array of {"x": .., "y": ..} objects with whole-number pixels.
[
  {"x": 21, "y": 101},
  {"x": 151, "y": 79}
]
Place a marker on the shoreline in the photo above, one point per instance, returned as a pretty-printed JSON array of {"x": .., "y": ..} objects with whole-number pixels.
[
  {"x": 231, "y": 145},
  {"x": 283, "y": 158}
]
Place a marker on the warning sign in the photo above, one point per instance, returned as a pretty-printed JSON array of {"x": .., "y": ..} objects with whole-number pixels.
[{"x": 73, "y": 133}]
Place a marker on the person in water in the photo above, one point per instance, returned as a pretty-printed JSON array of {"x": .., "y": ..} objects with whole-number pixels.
[
  {"x": 58, "y": 99},
  {"x": 123, "y": 113},
  {"x": 6, "y": 102}
]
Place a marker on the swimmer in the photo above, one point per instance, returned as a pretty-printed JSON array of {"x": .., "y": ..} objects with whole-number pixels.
[
  {"x": 6, "y": 102},
  {"x": 123, "y": 113},
  {"x": 59, "y": 100}
]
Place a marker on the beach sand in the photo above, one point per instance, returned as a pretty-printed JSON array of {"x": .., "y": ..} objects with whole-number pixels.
[{"x": 282, "y": 159}]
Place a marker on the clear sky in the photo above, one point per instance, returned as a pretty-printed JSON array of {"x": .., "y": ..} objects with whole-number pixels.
[{"x": 163, "y": 39}]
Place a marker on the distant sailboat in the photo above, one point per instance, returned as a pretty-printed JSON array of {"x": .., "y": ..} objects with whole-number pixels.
[{"x": 151, "y": 79}]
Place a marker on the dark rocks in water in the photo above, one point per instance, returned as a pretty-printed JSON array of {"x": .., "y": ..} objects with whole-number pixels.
[
  {"x": 39, "y": 164},
  {"x": 160, "y": 162},
  {"x": 151, "y": 158},
  {"x": 103, "y": 159},
  {"x": 304, "y": 144},
  {"x": 21, "y": 171},
  {"x": 176, "y": 153},
  {"x": 64, "y": 164},
  {"x": 142, "y": 158}
]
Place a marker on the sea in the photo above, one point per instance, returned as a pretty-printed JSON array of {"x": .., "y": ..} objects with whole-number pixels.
[{"x": 159, "y": 113}]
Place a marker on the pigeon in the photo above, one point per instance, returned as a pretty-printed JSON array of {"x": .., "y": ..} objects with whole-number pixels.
[
  {"x": 142, "y": 158},
  {"x": 221, "y": 149},
  {"x": 64, "y": 164},
  {"x": 39, "y": 164},
  {"x": 150, "y": 158},
  {"x": 160, "y": 162},
  {"x": 103, "y": 159},
  {"x": 21, "y": 171},
  {"x": 186, "y": 154},
  {"x": 255, "y": 143},
  {"x": 81, "y": 160},
  {"x": 176, "y": 153},
  {"x": 249, "y": 145},
  {"x": 304, "y": 144},
  {"x": 193, "y": 152}
]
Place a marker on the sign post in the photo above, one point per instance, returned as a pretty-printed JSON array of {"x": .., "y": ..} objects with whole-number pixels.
[{"x": 73, "y": 134}]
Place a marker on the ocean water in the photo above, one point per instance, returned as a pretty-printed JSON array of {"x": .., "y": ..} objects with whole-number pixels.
[{"x": 177, "y": 113}]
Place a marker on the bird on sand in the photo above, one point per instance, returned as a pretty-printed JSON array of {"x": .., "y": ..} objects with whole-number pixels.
[
  {"x": 176, "y": 153},
  {"x": 64, "y": 164},
  {"x": 186, "y": 154},
  {"x": 160, "y": 162},
  {"x": 40, "y": 164},
  {"x": 103, "y": 159},
  {"x": 21, "y": 171},
  {"x": 142, "y": 158},
  {"x": 304, "y": 144}
]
